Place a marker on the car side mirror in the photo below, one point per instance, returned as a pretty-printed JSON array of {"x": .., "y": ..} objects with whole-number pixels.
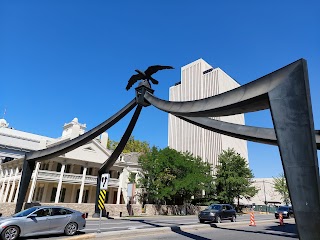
[{"x": 33, "y": 215}]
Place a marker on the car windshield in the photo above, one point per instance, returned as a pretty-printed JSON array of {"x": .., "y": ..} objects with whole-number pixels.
[
  {"x": 283, "y": 209},
  {"x": 25, "y": 213},
  {"x": 214, "y": 207}
]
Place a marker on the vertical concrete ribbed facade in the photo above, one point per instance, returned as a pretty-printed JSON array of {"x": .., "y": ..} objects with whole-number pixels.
[{"x": 199, "y": 80}]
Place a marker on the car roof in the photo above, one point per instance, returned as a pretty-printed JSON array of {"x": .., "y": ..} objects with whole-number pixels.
[{"x": 41, "y": 207}]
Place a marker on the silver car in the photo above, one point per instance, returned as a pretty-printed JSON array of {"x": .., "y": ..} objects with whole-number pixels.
[{"x": 42, "y": 220}]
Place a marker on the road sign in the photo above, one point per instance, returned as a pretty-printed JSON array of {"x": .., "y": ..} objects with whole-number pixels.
[
  {"x": 102, "y": 198},
  {"x": 104, "y": 181}
]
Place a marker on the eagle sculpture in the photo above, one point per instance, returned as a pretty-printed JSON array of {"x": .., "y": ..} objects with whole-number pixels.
[{"x": 146, "y": 75}]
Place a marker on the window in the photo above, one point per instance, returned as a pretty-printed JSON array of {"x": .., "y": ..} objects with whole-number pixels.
[
  {"x": 85, "y": 196},
  {"x": 44, "y": 166},
  {"x": 43, "y": 212},
  {"x": 59, "y": 166},
  {"x": 107, "y": 197},
  {"x": 53, "y": 194},
  {"x": 39, "y": 194},
  {"x": 68, "y": 168},
  {"x": 62, "y": 195},
  {"x": 60, "y": 211},
  {"x": 77, "y": 196},
  {"x": 89, "y": 171}
]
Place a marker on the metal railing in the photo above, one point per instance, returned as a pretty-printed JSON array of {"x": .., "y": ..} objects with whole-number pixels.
[{"x": 52, "y": 176}]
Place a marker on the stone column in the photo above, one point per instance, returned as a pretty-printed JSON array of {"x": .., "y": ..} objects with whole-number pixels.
[
  {"x": 5, "y": 173},
  {"x": 4, "y": 199},
  {"x": 82, "y": 184},
  {"x": 17, "y": 192},
  {"x": 119, "y": 188},
  {"x": 13, "y": 185},
  {"x": 90, "y": 195},
  {"x": 73, "y": 192},
  {"x": 34, "y": 182},
  {"x": 60, "y": 183},
  {"x": 1, "y": 176}
]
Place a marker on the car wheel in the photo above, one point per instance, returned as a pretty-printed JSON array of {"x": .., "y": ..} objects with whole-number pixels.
[
  {"x": 218, "y": 219},
  {"x": 71, "y": 229},
  {"x": 201, "y": 221},
  {"x": 10, "y": 233},
  {"x": 233, "y": 218}
]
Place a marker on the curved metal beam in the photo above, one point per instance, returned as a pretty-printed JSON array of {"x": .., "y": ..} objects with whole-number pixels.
[
  {"x": 68, "y": 146},
  {"x": 48, "y": 153},
  {"x": 254, "y": 134},
  {"x": 250, "y": 97}
]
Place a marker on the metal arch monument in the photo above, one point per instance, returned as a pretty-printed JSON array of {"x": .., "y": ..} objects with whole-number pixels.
[{"x": 285, "y": 92}]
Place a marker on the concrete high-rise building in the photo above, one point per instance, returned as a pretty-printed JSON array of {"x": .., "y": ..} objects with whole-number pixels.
[{"x": 200, "y": 80}]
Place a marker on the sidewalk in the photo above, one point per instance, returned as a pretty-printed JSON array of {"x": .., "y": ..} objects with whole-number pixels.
[{"x": 137, "y": 217}]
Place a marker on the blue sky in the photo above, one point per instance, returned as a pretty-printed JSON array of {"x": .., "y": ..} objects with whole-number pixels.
[{"x": 66, "y": 59}]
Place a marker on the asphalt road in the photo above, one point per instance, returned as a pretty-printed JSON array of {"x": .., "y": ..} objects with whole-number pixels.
[
  {"x": 120, "y": 224},
  {"x": 263, "y": 231}
]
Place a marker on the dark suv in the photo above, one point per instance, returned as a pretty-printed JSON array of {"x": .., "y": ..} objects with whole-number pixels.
[
  {"x": 217, "y": 212},
  {"x": 286, "y": 211}
]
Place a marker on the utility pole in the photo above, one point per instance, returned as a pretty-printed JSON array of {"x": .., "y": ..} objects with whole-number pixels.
[{"x": 265, "y": 196}]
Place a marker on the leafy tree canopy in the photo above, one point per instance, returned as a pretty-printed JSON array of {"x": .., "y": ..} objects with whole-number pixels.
[
  {"x": 280, "y": 185},
  {"x": 171, "y": 177},
  {"x": 233, "y": 177},
  {"x": 132, "y": 145}
]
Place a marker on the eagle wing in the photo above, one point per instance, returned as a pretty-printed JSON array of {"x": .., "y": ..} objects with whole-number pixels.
[
  {"x": 134, "y": 78},
  {"x": 153, "y": 69}
]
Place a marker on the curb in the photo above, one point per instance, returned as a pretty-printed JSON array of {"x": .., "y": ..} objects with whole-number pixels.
[{"x": 146, "y": 231}]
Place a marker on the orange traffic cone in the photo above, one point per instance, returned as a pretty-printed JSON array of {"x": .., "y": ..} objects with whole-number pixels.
[
  {"x": 281, "y": 223},
  {"x": 252, "y": 221}
]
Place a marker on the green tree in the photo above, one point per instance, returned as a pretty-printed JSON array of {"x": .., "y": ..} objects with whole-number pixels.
[
  {"x": 171, "y": 177},
  {"x": 233, "y": 177},
  {"x": 280, "y": 185},
  {"x": 132, "y": 145}
]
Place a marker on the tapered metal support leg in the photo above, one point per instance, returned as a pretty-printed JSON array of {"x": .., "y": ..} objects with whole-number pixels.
[
  {"x": 291, "y": 111},
  {"x": 96, "y": 208},
  {"x": 27, "y": 170}
]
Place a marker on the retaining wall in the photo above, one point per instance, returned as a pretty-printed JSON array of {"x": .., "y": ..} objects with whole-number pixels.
[{"x": 115, "y": 210}]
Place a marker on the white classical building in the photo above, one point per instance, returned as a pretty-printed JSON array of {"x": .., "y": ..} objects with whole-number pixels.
[
  {"x": 200, "y": 80},
  {"x": 69, "y": 178}
]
